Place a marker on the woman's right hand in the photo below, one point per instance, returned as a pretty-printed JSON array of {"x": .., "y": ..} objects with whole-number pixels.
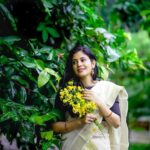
[{"x": 88, "y": 118}]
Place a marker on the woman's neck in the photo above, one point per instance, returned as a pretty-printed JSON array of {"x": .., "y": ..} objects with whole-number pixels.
[{"x": 87, "y": 82}]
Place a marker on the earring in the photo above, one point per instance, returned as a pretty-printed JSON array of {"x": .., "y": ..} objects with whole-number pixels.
[{"x": 92, "y": 72}]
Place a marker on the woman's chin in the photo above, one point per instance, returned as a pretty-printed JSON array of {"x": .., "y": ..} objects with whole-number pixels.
[{"x": 82, "y": 75}]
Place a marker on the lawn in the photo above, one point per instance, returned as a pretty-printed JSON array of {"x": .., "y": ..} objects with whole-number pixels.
[{"x": 139, "y": 147}]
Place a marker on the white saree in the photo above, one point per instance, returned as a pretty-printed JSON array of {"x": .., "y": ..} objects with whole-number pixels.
[{"x": 89, "y": 137}]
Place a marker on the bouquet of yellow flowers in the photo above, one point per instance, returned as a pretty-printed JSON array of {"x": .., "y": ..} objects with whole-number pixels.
[{"x": 72, "y": 95}]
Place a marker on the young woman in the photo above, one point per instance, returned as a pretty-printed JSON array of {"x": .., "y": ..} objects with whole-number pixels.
[{"x": 111, "y": 100}]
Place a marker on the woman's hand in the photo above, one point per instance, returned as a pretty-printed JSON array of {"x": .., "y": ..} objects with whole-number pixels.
[
  {"x": 88, "y": 118},
  {"x": 90, "y": 95},
  {"x": 113, "y": 118}
]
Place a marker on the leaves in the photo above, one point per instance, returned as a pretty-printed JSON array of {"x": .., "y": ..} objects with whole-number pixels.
[
  {"x": 30, "y": 68},
  {"x": 47, "y": 135},
  {"x": 28, "y": 62},
  {"x": 15, "y": 111},
  {"x": 10, "y": 39},
  {"x": 53, "y": 32},
  {"x": 45, "y": 36},
  {"x": 43, "y": 78},
  {"x": 52, "y": 72},
  {"x": 46, "y": 30},
  {"x": 41, "y": 119},
  {"x": 9, "y": 16}
]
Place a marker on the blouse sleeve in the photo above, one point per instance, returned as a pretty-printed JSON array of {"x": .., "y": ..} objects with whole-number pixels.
[{"x": 115, "y": 108}]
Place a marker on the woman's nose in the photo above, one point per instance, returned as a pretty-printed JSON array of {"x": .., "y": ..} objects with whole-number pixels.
[{"x": 79, "y": 63}]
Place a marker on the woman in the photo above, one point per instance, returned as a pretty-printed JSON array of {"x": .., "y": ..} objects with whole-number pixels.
[{"x": 111, "y": 100}]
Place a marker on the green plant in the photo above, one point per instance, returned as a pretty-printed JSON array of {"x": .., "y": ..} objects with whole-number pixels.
[
  {"x": 33, "y": 56},
  {"x": 139, "y": 147}
]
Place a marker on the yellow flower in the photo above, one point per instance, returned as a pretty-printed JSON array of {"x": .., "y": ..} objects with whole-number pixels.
[
  {"x": 69, "y": 88},
  {"x": 70, "y": 82},
  {"x": 72, "y": 95}
]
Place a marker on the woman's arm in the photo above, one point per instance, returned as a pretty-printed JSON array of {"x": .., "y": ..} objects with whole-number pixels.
[
  {"x": 67, "y": 126},
  {"x": 111, "y": 117}
]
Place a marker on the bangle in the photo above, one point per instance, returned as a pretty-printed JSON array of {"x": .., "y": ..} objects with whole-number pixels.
[
  {"x": 108, "y": 115},
  {"x": 65, "y": 125}
]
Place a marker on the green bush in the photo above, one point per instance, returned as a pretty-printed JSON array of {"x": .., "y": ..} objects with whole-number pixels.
[
  {"x": 139, "y": 147},
  {"x": 33, "y": 56}
]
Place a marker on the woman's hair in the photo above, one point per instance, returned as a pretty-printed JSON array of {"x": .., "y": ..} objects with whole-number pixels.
[{"x": 69, "y": 73}]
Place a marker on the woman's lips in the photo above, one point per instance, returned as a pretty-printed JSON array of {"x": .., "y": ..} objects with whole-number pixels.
[{"x": 81, "y": 69}]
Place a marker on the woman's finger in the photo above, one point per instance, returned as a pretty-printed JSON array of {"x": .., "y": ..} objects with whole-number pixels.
[
  {"x": 86, "y": 97},
  {"x": 85, "y": 91}
]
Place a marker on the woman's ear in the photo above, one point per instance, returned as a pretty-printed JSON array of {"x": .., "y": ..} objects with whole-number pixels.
[{"x": 93, "y": 63}]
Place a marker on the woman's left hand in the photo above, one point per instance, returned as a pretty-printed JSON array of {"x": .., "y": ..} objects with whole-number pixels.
[{"x": 90, "y": 95}]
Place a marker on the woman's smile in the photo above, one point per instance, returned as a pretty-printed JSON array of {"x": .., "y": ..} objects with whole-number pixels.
[{"x": 81, "y": 69}]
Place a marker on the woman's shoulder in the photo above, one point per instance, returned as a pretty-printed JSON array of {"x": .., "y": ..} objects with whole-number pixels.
[{"x": 106, "y": 82}]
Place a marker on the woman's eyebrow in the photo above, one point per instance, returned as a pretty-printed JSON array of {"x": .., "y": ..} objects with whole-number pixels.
[{"x": 79, "y": 58}]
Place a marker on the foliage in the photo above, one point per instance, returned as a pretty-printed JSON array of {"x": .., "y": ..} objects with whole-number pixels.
[
  {"x": 139, "y": 147},
  {"x": 35, "y": 37},
  {"x": 133, "y": 14},
  {"x": 137, "y": 83},
  {"x": 139, "y": 99}
]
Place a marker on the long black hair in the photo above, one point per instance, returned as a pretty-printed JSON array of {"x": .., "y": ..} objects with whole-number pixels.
[{"x": 69, "y": 73}]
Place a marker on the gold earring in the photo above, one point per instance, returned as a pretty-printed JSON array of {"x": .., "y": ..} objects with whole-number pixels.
[{"x": 92, "y": 72}]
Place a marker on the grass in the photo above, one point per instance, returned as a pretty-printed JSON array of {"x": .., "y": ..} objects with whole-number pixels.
[{"x": 139, "y": 146}]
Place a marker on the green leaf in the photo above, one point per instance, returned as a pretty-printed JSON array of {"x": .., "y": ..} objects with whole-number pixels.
[
  {"x": 3, "y": 59},
  {"x": 41, "y": 119},
  {"x": 53, "y": 32},
  {"x": 41, "y": 27},
  {"x": 28, "y": 62},
  {"x": 23, "y": 95},
  {"x": 52, "y": 84},
  {"x": 35, "y": 118},
  {"x": 39, "y": 64},
  {"x": 9, "y": 16},
  {"x": 27, "y": 132},
  {"x": 12, "y": 89},
  {"x": 45, "y": 35},
  {"x": 43, "y": 78},
  {"x": 47, "y": 5},
  {"x": 51, "y": 115},
  {"x": 145, "y": 12},
  {"x": 9, "y": 115},
  {"x": 48, "y": 135},
  {"x": 53, "y": 73},
  {"x": 104, "y": 72},
  {"x": 10, "y": 39},
  {"x": 20, "y": 80}
]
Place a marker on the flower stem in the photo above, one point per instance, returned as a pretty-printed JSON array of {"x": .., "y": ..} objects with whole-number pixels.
[{"x": 100, "y": 127}]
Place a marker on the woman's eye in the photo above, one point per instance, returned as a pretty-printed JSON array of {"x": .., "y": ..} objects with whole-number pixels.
[
  {"x": 83, "y": 60},
  {"x": 74, "y": 62}
]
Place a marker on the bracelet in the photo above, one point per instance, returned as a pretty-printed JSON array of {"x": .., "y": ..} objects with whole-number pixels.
[
  {"x": 109, "y": 115},
  {"x": 65, "y": 125}
]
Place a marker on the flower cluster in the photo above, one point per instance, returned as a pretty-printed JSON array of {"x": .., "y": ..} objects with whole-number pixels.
[{"x": 72, "y": 95}]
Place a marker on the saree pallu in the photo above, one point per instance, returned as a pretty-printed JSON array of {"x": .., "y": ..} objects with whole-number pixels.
[{"x": 89, "y": 137}]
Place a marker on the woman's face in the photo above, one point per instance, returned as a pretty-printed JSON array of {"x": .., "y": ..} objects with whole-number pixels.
[{"x": 82, "y": 65}]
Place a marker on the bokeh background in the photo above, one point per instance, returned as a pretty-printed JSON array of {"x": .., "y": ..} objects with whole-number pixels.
[{"x": 35, "y": 38}]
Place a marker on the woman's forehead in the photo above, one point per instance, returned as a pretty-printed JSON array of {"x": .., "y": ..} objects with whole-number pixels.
[{"x": 79, "y": 55}]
